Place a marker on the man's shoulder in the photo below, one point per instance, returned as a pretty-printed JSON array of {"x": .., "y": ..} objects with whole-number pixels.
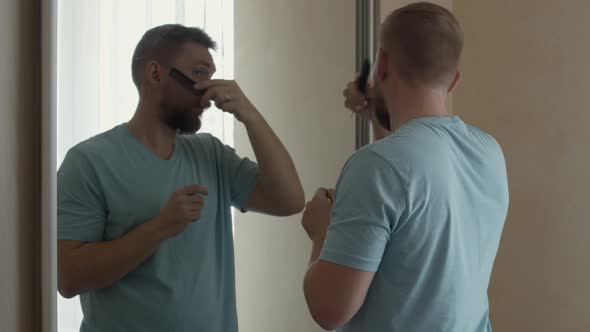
[
  {"x": 479, "y": 144},
  {"x": 485, "y": 137},
  {"x": 423, "y": 142},
  {"x": 370, "y": 159},
  {"x": 392, "y": 151},
  {"x": 100, "y": 145}
]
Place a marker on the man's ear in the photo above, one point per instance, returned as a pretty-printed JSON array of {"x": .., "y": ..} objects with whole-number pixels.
[
  {"x": 154, "y": 72},
  {"x": 454, "y": 82},
  {"x": 381, "y": 65}
]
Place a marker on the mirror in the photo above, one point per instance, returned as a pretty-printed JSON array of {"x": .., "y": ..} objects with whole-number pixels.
[{"x": 291, "y": 60}]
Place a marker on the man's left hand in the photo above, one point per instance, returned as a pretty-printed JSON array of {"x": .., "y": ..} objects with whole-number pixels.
[
  {"x": 228, "y": 97},
  {"x": 316, "y": 216}
]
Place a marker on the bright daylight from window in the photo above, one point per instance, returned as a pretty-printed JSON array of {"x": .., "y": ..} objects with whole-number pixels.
[{"x": 96, "y": 39}]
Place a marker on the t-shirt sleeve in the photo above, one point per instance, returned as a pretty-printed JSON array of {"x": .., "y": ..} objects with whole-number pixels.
[
  {"x": 81, "y": 211},
  {"x": 369, "y": 200},
  {"x": 242, "y": 175}
]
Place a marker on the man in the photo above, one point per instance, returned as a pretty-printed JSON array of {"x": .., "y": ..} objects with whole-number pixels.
[
  {"x": 144, "y": 220},
  {"x": 417, "y": 216}
]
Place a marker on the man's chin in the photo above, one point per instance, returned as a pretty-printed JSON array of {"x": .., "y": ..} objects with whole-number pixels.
[
  {"x": 183, "y": 129},
  {"x": 185, "y": 121},
  {"x": 188, "y": 131},
  {"x": 186, "y": 125}
]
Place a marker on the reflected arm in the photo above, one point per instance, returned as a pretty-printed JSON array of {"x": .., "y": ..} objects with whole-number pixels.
[{"x": 85, "y": 266}]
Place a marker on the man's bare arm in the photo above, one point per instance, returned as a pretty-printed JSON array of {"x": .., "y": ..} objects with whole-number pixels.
[{"x": 85, "y": 266}]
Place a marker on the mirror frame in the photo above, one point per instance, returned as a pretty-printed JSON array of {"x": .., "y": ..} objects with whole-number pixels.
[{"x": 48, "y": 208}]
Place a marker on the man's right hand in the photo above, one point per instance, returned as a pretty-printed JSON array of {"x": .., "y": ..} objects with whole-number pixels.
[
  {"x": 183, "y": 207},
  {"x": 364, "y": 105},
  {"x": 358, "y": 102}
]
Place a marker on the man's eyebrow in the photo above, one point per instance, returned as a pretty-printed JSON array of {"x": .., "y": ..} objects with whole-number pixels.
[{"x": 204, "y": 63}]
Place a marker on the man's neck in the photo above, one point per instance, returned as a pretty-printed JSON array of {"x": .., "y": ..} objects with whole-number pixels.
[
  {"x": 152, "y": 132},
  {"x": 420, "y": 104}
]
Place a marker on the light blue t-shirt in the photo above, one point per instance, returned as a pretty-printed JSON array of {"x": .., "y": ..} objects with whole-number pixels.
[
  {"x": 111, "y": 183},
  {"x": 424, "y": 209}
]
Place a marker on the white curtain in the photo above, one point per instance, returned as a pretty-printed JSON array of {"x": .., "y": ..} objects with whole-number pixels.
[
  {"x": 96, "y": 39},
  {"x": 95, "y": 42}
]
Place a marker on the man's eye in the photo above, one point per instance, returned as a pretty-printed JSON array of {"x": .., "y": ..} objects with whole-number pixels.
[{"x": 200, "y": 73}]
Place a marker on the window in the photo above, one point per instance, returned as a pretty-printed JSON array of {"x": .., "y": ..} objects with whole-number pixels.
[{"x": 96, "y": 39}]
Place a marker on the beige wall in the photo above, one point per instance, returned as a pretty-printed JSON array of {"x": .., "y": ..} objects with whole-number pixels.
[
  {"x": 293, "y": 59},
  {"x": 525, "y": 80},
  {"x": 18, "y": 164}
]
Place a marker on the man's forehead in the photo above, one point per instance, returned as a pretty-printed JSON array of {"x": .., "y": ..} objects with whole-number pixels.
[{"x": 198, "y": 55}]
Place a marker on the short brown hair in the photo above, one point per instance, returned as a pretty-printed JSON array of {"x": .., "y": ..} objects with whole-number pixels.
[
  {"x": 164, "y": 42},
  {"x": 425, "y": 41}
]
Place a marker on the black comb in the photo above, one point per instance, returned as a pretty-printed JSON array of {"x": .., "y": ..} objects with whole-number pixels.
[
  {"x": 361, "y": 82},
  {"x": 185, "y": 81}
]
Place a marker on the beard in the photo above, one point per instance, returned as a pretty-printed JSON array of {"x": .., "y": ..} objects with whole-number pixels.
[
  {"x": 183, "y": 120},
  {"x": 381, "y": 112},
  {"x": 178, "y": 110}
]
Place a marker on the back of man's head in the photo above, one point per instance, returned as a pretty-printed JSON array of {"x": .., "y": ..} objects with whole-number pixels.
[
  {"x": 424, "y": 42},
  {"x": 163, "y": 43}
]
